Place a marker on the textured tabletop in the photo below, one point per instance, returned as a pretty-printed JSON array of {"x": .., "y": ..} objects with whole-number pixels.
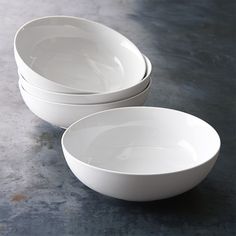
[{"x": 191, "y": 45}]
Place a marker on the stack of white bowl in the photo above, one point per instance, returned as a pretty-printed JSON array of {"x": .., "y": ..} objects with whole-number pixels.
[{"x": 70, "y": 68}]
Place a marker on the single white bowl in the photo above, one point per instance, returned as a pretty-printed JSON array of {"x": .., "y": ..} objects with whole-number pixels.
[
  {"x": 69, "y": 54},
  {"x": 63, "y": 115},
  {"x": 140, "y": 153},
  {"x": 89, "y": 98}
]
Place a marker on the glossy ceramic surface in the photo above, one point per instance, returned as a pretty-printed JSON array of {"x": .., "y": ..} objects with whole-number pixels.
[
  {"x": 89, "y": 98},
  {"x": 63, "y": 115},
  {"x": 65, "y": 54},
  {"x": 141, "y": 153}
]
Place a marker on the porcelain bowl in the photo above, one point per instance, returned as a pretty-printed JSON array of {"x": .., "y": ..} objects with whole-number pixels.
[
  {"x": 63, "y": 114},
  {"x": 89, "y": 98},
  {"x": 73, "y": 55},
  {"x": 141, "y": 153}
]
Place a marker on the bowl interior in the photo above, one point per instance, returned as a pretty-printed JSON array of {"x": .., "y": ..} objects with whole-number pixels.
[
  {"x": 80, "y": 54},
  {"x": 141, "y": 140}
]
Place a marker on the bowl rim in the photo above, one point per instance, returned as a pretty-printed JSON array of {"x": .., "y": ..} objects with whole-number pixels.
[
  {"x": 75, "y": 18},
  {"x": 215, "y": 154},
  {"x": 146, "y": 76},
  {"x": 146, "y": 89}
]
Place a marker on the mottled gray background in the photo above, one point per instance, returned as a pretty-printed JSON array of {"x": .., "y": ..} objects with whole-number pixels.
[{"x": 192, "y": 48}]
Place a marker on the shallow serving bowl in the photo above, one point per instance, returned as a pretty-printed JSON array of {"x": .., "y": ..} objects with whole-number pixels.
[
  {"x": 89, "y": 98},
  {"x": 69, "y": 54},
  {"x": 63, "y": 115},
  {"x": 141, "y": 153}
]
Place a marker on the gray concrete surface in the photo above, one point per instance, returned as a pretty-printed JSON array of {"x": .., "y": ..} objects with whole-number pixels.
[{"x": 192, "y": 47}]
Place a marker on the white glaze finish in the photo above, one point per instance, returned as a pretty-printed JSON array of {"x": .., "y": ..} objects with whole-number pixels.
[
  {"x": 141, "y": 153},
  {"x": 69, "y": 54},
  {"x": 89, "y": 98},
  {"x": 63, "y": 115}
]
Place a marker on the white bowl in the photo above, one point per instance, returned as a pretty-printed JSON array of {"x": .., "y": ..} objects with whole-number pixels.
[
  {"x": 140, "y": 153},
  {"x": 69, "y": 54},
  {"x": 88, "y": 98},
  {"x": 63, "y": 115}
]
